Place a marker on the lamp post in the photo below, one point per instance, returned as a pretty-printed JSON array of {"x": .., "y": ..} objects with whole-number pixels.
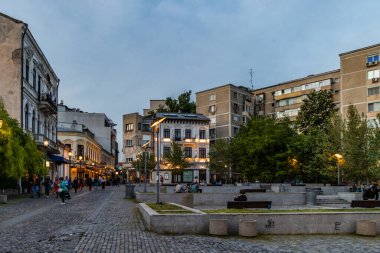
[
  {"x": 338, "y": 157},
  {"x": 145, "y": 147},
  {"x": 46, "y": 144},
  {"x": 80, "y": 165},
  {"x": 70, "y": 154},
  {"x": 156, "y": 126}
]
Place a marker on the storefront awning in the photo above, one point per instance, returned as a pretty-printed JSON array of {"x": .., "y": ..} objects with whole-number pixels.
[{"x": 58, "y": 159}]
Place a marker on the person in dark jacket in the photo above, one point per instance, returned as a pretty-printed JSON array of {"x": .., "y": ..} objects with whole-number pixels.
[{"x": 241, "y": 197}]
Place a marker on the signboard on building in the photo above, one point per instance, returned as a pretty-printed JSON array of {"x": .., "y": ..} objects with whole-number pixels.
[{"x": 188, "y": 176}]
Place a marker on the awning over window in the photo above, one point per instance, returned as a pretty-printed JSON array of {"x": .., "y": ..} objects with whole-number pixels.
[{"x": 58, "y": 159}]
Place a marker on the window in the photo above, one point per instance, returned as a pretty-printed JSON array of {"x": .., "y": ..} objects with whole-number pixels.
[
  {"x": 139, "y": 126},
  {"x": 202, "y": 134},
  {"x": 188, "y": 152},
  {"x": 188, "y": 134},
  {"x": 80, "y": 151},
  {"x": 129, "y": 143},
  {"x": 39, "y": 83},
  {"x": 34, "y": 122},
  {"x": 212, "y": 97},
  {"x": 373, "y": 58},
  {"x": 373, "y": 74},
  {"x": 166, "y": 133},
  {"x": 34, "y": 78},
  {"x": 287, "y": 91},
  {"x": 374, "y": 107},
  {"x": 128, "y": 160},
  {"x": 235, "y": 94},
  {"x": 26, "y": 123},
  {"x": 177, "y": 134},
  {"x": 212, "y": 133},
  {"x": 129, "y": 127},
  {"x": 202, "y": 152},
  {"x": 235, "y": 129},
  {"x": 278, "y": 93},
  {"x": 146, "y": 127},
  {"x": 213, "y": 120},
  {"x": 235, "y": 107},
  {"x": 27, "y": 70},
  {"x": 166, "y": 151},
  {"x": 244, "y": 120},
  {"x": 373, "y": 91},
  {"x": 212, "y": 109},
  {"x": 235, "y": 118}
]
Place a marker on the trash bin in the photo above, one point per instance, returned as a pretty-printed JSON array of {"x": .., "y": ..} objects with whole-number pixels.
[
  {"x": 129, "y": 191},
  {"x": 311, "y": 197}
]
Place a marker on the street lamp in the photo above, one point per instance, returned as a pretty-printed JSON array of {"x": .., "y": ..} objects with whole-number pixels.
[
  {"x": 70, "y": 154},
  {"x": 46, "y": 144},
  {"x": 145, "y": 147},
  {"x": 80, "y": 165},
  {"x": 1, "y": 123},
  {"x": 156, "y": 126},
  {"x": 338, "y": 157}
]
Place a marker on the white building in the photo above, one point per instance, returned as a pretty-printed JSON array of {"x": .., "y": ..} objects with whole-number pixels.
[{"x": 191, "y": 132}]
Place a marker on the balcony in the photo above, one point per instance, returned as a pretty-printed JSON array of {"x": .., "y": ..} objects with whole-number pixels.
[
  {"x": 47, "y": 103},
  {"x": 52, "y": 146}
]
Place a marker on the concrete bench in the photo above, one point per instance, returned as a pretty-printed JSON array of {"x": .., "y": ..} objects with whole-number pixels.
[
  {"x": 366, "y": 227},
  {"x": 249, "y": 204},
  {"x": 365, "y": 203},
  {"x": 255, "y": 190},
  {"x": 247, "y": 228}
]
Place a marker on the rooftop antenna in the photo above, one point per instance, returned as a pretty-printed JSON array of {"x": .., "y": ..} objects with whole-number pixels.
[{"x": 251, "y": 74}]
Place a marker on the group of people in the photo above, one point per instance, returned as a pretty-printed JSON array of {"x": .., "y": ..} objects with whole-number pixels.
[
  {"x": 62, "y": 186},
  {"x": 194, "y": 187}
]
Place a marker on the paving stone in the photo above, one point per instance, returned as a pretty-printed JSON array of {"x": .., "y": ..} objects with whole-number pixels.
[{"x": 103, "y": 221}]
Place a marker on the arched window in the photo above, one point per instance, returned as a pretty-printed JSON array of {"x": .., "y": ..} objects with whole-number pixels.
[
  {"x": 26, "y": 117},
  {"x": 34, "y": 122}
]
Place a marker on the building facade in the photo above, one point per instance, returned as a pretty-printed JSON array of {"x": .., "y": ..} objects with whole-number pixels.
[
  {"x": 357, "y": 82},
  {"x": 28, "y": 84},
  {"x": 191, "y": 132},
  {"x": 102, "y": 128},
  {"x": 85, "y": 153},
  {"x": 228, "y": 108}
]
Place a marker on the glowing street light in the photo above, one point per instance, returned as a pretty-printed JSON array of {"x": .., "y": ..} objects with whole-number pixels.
[
  {"x": 156, "y": 126},
  {"x": 338, "y": 157},
  {"x": 1, "y": 123}
]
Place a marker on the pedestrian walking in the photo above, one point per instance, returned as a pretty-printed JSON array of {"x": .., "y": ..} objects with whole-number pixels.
[
  {"x": 62, "y": 190},
  {"x": 75, "y": 184},
  {"x": 56, "y": 186},
  {"x": 103, "y": 183},
  {"x": 47, "y": 185},
  {"x": 89, "y": 183},
  {"x": 96, "y": 183},
  {"x": 81, "y": 184},
  {"x": 35, "y": 187}
]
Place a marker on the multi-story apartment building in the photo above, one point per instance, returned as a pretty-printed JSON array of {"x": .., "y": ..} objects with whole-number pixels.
[
  {"x": 191, "y": 132},
  {"x": 356, "y": 82},
  {"x": 28, "y": 84},
  {"x": 100, "y": 125},
  {"x": 228, "y": 108},
  {"x": 85, "y": 152},
  {"x": 285, "y": 99}
]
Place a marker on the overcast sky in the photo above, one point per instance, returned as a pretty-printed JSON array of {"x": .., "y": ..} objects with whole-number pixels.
[{"x": 113, "y": 56}]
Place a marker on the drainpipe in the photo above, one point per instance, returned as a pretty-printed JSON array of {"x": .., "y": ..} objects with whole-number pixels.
[
  {"x": 22, "y": 90},
  {"x": 22, "y": 75}
]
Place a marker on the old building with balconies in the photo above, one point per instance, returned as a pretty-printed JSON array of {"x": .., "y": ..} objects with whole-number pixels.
[{"x": 28, "y": 84}]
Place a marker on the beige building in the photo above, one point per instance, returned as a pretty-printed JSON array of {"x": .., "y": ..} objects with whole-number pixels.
[
  {"x": 28, "y": 84},
  {"x": 85, "y": 152},
  {"x": 228, "y": 107},
  {"x": 285, "y": 99},
  {"x": 356, "y": 82}
]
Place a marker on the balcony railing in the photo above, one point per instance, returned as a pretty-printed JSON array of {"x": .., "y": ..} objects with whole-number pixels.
[{"x": 47, "y": 103}]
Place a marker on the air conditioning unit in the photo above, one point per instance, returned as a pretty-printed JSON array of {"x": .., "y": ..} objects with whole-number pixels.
[{"x": 374, "y": 80}]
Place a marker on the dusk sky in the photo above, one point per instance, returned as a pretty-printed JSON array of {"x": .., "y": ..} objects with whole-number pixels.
[{"x": 113, "y": 56}]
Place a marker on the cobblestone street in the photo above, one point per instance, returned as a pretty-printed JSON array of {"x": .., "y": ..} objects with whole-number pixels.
[{"x": 103, "y": 221}]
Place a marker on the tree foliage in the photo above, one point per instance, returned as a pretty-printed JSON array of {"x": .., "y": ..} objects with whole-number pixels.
[
  {"x": 316, "y": 110},
  {"x": 18, "y": 152},
  {"x": 221, "y": 155},
  {"x": 180, "y": 105},
  {"x": 175, "y": 158},
  {"x": 139, "y": 162},
  {"x": 264, "y": 143}
]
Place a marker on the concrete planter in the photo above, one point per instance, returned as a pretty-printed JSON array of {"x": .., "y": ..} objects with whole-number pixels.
[{"x": 3, "y": 199}]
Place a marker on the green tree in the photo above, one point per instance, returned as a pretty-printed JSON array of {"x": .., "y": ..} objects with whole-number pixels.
[
  {"x": 264, "y": 145},
  {"x": 316, "y": 111},
  {"x": 18, "y": 152},
  {"x": 180, "y": 105},
  {"x": 175, "y": 158},
  {"x": 221, "y": 156},
  {"x": 357, "y": 137},
  {"x": 139, "y": 162}
]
